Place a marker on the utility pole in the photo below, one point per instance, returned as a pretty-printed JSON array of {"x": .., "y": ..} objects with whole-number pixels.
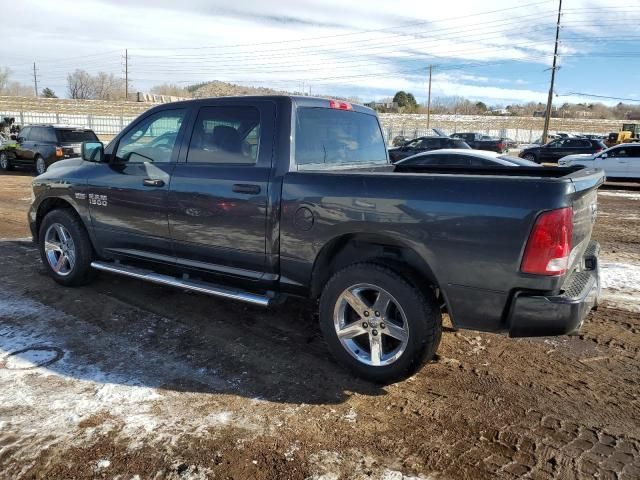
[
  {"x": 547, "y": 116},
  {"x": 126, "y": 74},
  {"x": 429, "y": 101},
  {"x": 35, "y": 79}
]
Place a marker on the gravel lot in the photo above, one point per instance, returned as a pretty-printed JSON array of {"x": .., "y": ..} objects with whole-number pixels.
[{"x": 123, "y": 379}]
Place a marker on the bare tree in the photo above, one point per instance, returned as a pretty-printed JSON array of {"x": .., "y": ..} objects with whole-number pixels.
[
  {"x": 80, "y": 85},
  {"x": 106, "y": 86},
  {"x": 12, "y": 88},
  {"x": 5, "y": 73}
]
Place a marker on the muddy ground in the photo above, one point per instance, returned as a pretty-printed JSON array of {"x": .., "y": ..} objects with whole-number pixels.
[{"x": 123, "y": 379}]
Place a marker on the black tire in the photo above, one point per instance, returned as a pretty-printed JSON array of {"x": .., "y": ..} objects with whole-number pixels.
[
  {"x": 37, "y": 160},
  {"x": 81, "y": 273},
  {"x": 5, "y": 163},
  {"x": 421, "y": 312}
]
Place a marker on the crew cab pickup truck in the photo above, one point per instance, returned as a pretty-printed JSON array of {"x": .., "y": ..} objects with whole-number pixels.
[
  {"x": 478, "y": 141},
  {"x": 260, "y": 198}
]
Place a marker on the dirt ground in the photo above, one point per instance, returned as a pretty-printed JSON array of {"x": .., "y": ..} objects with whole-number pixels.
[{"x": 128, "y": 380}]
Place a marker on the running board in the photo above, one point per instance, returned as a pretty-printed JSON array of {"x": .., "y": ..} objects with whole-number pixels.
[{"x": 193, "y": 285}]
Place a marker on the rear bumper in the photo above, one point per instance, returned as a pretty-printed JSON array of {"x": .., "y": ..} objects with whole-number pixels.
[{"x": 539, "y": 315}]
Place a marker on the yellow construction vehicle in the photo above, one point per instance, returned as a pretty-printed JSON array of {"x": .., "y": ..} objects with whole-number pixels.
[{"x": 629, "y": 133}]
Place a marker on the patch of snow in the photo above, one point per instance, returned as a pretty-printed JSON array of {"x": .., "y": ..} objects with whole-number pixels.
[
  {"x": 621, "y": 285},
  {"x": 99, "y": 375},
  {"x": 396, "y": 475},
  {"x": 622, "y": 277},
  {"x": 350, "y": 416},
  {"x": 619, "y": 193},
  {"x": 102, "y": 464}
]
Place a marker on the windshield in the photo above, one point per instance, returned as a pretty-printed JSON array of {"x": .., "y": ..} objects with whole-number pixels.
[
  {"x": 332, "y": 138},
  {"x": 75, "y": 136}
]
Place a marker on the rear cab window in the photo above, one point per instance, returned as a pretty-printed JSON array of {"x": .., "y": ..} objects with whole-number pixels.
[{"x": 327, "y": 138}]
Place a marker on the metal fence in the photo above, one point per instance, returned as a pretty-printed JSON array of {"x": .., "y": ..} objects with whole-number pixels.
[
  {"x": 518, "y": 129},
  {"x": 105, "y": 125},
  {"x": 518, "y": 135}
]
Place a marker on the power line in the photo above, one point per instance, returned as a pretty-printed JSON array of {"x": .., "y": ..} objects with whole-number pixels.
[
  {"x": 578, "y": 94},
  {"x": 519, "y": 7}
]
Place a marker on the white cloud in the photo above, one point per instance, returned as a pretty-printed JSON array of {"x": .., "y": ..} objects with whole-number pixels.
[{"x": 199, "y": 37}]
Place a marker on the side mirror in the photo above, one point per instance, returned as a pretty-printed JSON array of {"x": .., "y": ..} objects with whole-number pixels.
[
  {"x": 92, "y": 152},
  {"x": 20, "y": 139}
]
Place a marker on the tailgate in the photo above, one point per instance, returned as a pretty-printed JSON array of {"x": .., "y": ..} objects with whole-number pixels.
[{"x": 584, "y": 201}]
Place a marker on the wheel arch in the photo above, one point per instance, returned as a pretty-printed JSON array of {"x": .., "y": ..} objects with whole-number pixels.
[
  {"x": 353, "y": 248},
  {"x": 53, "y": 203}
]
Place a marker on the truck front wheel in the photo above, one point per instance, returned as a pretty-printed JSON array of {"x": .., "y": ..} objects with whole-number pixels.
[
  {"x": 65, "y": 248},
  {"x": 377, "y": 324}
]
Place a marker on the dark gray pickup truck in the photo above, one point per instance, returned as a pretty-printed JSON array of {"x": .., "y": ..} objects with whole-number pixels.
[{"x": 259, "y": 198}]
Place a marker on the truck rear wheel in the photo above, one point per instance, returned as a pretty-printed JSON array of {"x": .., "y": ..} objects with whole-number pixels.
[
  {"x": 65, "y": 248},
  {"x": 377, "y": 324}
]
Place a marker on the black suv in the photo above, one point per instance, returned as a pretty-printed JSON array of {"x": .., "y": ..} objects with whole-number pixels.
[
  {"x": 561, "y": 147},
  {"x": 39, "y": 146},
  {"x": 425, "y": 144}
]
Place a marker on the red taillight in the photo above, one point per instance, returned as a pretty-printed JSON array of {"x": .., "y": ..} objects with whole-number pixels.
[
  {"x": 598, "y": 150},
  {"x": 549, "y": 244},
  {"x": 340, "y": 105}
]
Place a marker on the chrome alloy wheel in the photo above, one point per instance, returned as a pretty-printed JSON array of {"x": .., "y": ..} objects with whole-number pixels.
[
  {"x": 371, "y": 325},
  {"x": 41, "y": 167},
  {"x": 59, "y": 249},
  {"x": 4, "y": 161}
]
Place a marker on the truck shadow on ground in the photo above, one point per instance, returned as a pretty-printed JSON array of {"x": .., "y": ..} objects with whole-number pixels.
[{"x": 127, "y": 332}]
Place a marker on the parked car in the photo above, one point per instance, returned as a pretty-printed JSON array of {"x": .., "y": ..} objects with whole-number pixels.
[
  {"x": 621, "y": 161},
  {"x": 39, "y": 146},
  {"x": 466, "y": 158},
  {"x": 561, "y": 147},
  {"x": 315, "y": 210},
  {"x": 425, "y": 144},
  {"x": 478, "y": 141}
]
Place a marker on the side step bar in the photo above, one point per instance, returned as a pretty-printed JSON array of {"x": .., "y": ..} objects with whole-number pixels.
[{"x": 194, "y": 285}]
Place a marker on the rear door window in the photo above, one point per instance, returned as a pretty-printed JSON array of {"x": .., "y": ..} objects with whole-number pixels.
[
  {"x": 225, "y": 135},
  {"x": 332, "y": 138}
]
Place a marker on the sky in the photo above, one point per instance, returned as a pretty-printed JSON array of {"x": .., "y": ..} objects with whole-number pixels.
[{"x": 499, "y": 52}]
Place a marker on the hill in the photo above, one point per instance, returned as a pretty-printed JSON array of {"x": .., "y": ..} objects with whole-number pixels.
[{"x": 217, "y": 88}]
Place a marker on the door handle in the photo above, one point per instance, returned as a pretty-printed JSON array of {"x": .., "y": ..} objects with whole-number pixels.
[
  {"x": 149, "y": 182},
  {"x": 246, "y": 188}
]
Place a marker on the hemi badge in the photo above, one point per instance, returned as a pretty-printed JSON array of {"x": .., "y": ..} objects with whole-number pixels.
[{"x": 81, "y": 196}]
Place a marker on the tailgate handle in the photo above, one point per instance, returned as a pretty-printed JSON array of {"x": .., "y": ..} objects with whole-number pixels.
[
  {"x": 246, "y": 188},
  {"x": 149, "y": 182}
]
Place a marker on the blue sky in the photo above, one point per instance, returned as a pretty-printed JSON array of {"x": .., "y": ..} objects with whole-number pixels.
[{"x": 498, "y": 52}]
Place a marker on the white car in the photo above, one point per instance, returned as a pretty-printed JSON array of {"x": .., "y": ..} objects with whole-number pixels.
[{"x": 620, "y": 161}]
